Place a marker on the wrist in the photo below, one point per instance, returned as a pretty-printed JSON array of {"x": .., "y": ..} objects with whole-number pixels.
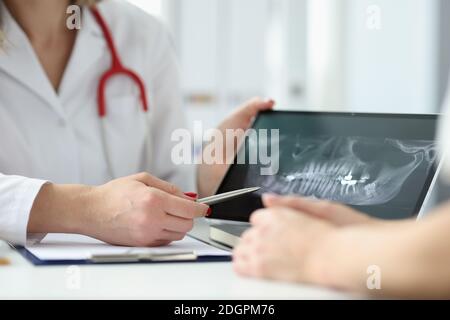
[
  {"x": 60, "y": 209},
  {"x": 82, "y": 209},
  {"x": 318, "y": 263}
]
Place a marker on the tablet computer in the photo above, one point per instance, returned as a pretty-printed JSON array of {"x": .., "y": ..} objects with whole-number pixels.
[{"x": 380, "y": 164}]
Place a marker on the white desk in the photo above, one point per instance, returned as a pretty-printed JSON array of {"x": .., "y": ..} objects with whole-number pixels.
[{"x": 22, "y": 280}]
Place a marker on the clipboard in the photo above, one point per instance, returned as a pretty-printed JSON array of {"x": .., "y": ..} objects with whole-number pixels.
[
  {"x": 39, "y": 263},
  {"x": 177, "y": 256}
]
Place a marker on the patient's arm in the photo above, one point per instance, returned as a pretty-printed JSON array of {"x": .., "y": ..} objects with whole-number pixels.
[
  {"x": 286, "y": 244},
  {"x": 413, "y": 257}
]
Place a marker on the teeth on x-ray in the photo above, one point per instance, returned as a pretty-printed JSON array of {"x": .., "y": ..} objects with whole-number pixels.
[{"x": 332, "y": 169}]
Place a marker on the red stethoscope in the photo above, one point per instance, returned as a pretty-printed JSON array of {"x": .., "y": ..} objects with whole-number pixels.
[{"x": 117, "y": 68}]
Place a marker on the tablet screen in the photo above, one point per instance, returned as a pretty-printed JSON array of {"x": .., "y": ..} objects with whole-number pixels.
[{"x": 379, "y": 164}]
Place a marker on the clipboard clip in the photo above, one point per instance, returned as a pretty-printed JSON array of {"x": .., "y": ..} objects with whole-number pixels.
[{"x": 152, "y": 257}]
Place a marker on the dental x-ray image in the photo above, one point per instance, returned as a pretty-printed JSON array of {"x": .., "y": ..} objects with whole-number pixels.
[
  {"x": 377, "y": 164},
  {"x": 348, "y": 170}
]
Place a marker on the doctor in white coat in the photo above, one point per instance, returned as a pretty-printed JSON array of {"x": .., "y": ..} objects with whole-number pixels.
[{"x": 59, "y": 159}]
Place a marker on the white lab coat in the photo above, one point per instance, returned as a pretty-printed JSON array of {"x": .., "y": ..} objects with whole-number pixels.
[{"x": 49, "y": 136}]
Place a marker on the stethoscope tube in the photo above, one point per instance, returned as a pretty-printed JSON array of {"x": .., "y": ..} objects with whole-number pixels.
[{"x": 117, "y": 68}]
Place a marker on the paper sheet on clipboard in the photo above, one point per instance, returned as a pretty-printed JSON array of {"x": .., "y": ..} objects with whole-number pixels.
[{"x": 77, "y": 247}]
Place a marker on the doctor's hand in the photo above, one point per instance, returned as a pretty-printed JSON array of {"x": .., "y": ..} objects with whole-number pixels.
[
  {"x": 209, "y": 176},
  {"x": 139, "y": 210},
  {"x": 243, "y": 116},
  {"x": 142, "y": 210}
]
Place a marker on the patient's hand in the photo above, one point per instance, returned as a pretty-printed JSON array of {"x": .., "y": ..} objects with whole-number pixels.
[
  {"x": 413, "y": 257},
  {"x": 284, "y": 237},
  {"x": 280, "y": 245},
  {"x": 334, "y": 213}
]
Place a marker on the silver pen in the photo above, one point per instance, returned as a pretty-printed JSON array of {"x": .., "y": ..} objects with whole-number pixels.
[{"x": 218, "y": 198}]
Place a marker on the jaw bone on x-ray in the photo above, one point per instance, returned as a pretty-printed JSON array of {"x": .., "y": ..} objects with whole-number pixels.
[{"x": 349, "y": 170}]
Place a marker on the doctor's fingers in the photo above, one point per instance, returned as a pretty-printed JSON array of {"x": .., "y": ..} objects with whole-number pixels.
[
  {"x": 157, "y": 183},
  {"x": 250, "y": 109},
  {"x": 177, "y": 224},
  {"x": 182, "y": 208},
  {"x": 158, "y": 243},
  {"x": 166, "y": 235}
]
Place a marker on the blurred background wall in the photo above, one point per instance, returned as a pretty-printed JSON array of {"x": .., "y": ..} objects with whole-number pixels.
[{"x": 359, "y": 55}]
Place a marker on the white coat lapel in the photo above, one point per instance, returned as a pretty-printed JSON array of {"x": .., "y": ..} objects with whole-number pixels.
[
  {"x": 20, "y": 62},
  {"x": 85, "y": 60}
]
